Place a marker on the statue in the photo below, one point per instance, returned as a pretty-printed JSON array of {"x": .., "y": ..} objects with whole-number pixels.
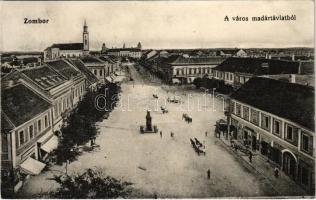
[{"x": 148, "y": 122}]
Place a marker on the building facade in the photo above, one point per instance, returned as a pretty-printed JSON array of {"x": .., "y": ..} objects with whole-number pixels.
[
  {"x": 179, "y": 69},
  {"x": 237, "y": 71},
  {"x": 125, "y": 52},
  {"x": 276, "y": 119}
]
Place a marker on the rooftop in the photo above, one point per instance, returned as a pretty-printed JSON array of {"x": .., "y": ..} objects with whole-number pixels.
[
  {"x": 258, "y": 66},
  {"x": 90, "y": 76},
  {"x": 123, "y": 49},
  {"x": 68, "y": 46},
  {"x": 180, "y": 60},
  {"x": 287, "y": 100},
  {"x": 64, "y": 68},
  {"x": 91, "y": 59},
  {"x": 44, "y": 76},
  {"x": 21, "y": 104}
]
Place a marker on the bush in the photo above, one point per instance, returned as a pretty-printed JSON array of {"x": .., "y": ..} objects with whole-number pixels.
[
  {"x": 91, "y": 184},
  {"x": 207, "y": 83}
]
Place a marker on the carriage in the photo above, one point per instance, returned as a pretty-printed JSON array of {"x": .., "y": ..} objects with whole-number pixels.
[
  {"x": 197, "y": 146},
  {"x": 164, "y": 109},
  {"x": 187, "y": 118}
]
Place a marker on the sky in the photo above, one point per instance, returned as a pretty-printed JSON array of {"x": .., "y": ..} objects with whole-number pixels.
[{"x": 156, "y": 24}]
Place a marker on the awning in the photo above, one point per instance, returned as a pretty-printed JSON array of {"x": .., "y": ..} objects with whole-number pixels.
[
  {"x": 109, "y": 79},
  {"x": 50, "y": 145},
  {"x": 32, "y": 166}
]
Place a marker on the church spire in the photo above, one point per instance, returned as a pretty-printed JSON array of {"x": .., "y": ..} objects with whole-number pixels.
[{"x": 85, "y": 38}]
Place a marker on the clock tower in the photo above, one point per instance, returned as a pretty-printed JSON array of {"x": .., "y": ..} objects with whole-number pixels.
[{"x": 85, "y": 39}]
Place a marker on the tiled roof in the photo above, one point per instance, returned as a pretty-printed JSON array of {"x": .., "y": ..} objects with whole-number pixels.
[
  {"x": 64, "y": 68},
  {"x": 21, "y": 104},
  {"x": 180, "y": 60},
  {"x": 287, "y": 100},
  {"x": 68, "y": 46},
  {"x": 90, "y": 76},
  {"x": 123, "y": 49},
  {"x": 307, "y": 67},
  {"x": 107, "y": 59},
  {"x": 44, "y": 76},
  {"x": 91, "y": 59},
  {"x": 230, "y": 51},
  {"x": 258, "y": 66}
]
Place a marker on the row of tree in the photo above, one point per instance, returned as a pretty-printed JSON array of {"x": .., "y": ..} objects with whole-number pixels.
[
  {"x": 211, "y": 83},
  {"x": 80, "y": 124}
]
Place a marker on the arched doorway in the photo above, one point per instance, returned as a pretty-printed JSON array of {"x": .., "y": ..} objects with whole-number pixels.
[{"x": 289, "y": 163}]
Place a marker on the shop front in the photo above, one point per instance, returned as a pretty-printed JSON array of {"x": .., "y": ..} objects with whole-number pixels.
[
  {"x": 250, "y": 138},
  {"x": 46, "y": 145}
]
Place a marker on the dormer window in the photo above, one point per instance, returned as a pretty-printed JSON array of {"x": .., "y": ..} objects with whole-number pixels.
[{"x": 265, "y": 65}]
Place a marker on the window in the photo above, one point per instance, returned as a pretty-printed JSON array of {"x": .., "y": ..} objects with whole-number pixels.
[
  {"x": 238, "y": 109},
  {"x": 231, "y": 77},
  {"x": 289, "y": 132},
  {"x": 31, "y": 131},
  {"x": 46, "y": 121},
  {"x": 39, "y": 125},
  {"x": 100, "y": 72},
  {"x": 276, "y": 127},
  {"x": 265, "y": 122},
  {"x": 246, "y": 113},
  {"x": 21, "y": 137},
  {"x": 305, "y": 142},
  {"x": 254, "y": 118}
]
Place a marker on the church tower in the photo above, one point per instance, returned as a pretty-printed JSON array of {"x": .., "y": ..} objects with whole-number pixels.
[{"x": 85, "y": 39}]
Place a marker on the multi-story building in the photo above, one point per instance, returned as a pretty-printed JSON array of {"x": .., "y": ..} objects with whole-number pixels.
[
  {"x": 237, "y": 71},
  {"x": 90, "y": 78},
  {"x": 276, "y": 119},
  {"x": 69, "y": 50},
  {"x": 33, "y": 104},
  {"x": 26, "y": 133},
  {"x": 125, "y": 52},
  {"x": 179, "y": 69},
  {"x": 102, "y": 67}
]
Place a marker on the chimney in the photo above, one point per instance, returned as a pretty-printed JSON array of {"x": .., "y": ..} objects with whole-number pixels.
[
  {"x": 269, "y": 56},
  {"x": 293, "y": 57},
  {"x": 293, "y": 78}
]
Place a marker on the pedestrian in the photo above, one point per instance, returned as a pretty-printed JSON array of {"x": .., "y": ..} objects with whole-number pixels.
[
  {"x": 205, "y": 133},
  {"x": 91, "y": 142},
  {"x": 208, "y": 174},
  {"x": 276, "y": 172},
  {"x": 250, "y": 156},
  {"x": 160, "y": 134},
  {"x": 236, "y": 147}
]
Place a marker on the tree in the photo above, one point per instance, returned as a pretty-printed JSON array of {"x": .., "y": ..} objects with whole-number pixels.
[
  {"x": 197, "y": 82},
  {"x": 90, "y": 184}
]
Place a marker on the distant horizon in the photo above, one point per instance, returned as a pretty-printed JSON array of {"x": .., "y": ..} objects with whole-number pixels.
[
  {"x": 156, "y": 24},
  {"x": 293, "y": 47}
]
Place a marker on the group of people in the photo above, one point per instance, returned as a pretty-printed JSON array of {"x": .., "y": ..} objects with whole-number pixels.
[{"x": 171, "y": 134}]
